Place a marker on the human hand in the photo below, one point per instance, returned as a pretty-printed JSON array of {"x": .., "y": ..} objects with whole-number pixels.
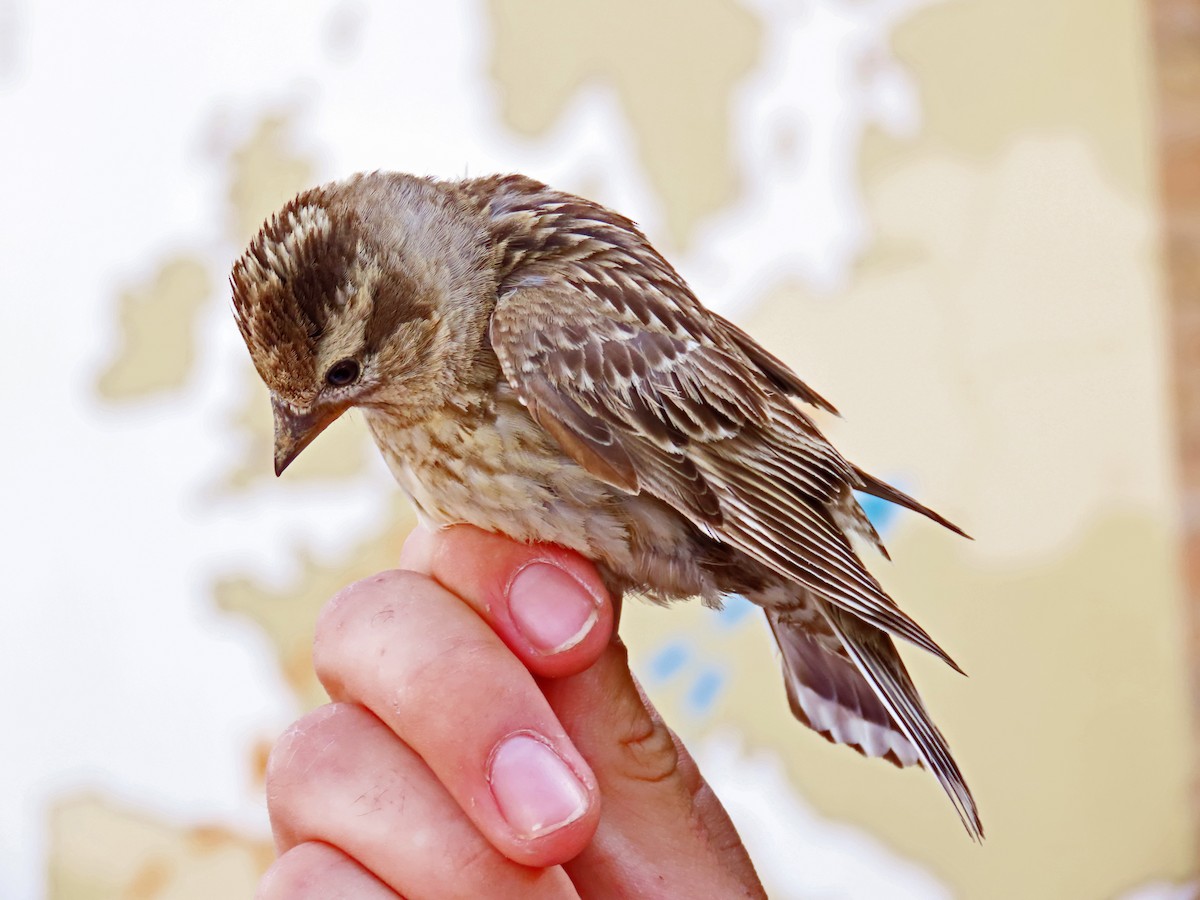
[{"x": 486, "y": 738}]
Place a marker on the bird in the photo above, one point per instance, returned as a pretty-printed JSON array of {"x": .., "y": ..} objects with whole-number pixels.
[{"x": 529, "y": 364}]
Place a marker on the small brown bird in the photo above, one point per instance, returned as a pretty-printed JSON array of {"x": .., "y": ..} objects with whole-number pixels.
[{"x": 529, "y": 364}]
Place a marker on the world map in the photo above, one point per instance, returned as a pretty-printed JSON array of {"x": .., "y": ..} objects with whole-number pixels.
[{"x": 941, "y": 213}]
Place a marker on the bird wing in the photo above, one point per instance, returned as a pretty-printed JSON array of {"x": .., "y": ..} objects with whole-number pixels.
[{"x": 651, "y": 392}]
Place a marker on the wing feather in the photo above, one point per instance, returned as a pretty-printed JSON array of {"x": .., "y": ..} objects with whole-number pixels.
[
  {"x": 653, "y": 393},
  {"x": 775, "y": 369}
]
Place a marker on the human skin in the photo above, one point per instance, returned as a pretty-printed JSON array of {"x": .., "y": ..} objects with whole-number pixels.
[{"x": 486, "y": 738}]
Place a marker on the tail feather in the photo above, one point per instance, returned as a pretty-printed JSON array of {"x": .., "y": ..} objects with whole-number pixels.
[
  {"x": 884, "y": 491},
  {"x": 829, "y": 695},
  {"x": 876, "y": 658}
]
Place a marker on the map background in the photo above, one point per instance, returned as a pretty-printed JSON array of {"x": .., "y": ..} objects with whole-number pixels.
[{"x": 942, "y": 213}]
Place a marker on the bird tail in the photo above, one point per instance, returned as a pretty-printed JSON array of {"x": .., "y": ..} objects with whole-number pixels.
[{"x": 865, "y": 699}]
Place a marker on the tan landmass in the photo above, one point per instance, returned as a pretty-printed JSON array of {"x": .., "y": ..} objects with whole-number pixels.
[
  {"x": 157, "y": 322},
  {"x": 265, "y": 174},
  {"x": 100, "y": 850},
  {"x": 287, "y": 616},
  {"x": 989, "y": 70},
  {"x": 340, "y": 453},
  {"x": 674, "y": 65}
]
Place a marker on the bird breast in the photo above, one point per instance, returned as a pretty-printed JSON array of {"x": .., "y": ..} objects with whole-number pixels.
[{"x": 482, "y": 460}]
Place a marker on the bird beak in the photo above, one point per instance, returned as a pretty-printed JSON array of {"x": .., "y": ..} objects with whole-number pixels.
[{"x": 295, "y": 429}]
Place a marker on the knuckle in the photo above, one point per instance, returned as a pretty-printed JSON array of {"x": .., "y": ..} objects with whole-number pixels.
[
  {"x": 376, "y": 600},
  {"x": 378, "y": 590},
  {"x": 441, "y": 672},
  {"x": 305, "y": 757},
  {"x": 650, "y": 753},
  {"x": 303, "y": 871},
  {"x": 475, "y": 863}
]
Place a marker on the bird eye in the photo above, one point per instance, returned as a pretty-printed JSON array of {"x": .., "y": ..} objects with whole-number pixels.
[{"x": 342, "y": 373}]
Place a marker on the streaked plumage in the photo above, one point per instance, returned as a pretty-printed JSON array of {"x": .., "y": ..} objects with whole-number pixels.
[{"x": 529, "y": 364}]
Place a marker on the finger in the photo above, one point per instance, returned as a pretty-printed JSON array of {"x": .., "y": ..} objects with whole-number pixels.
[
  {"x": 440, "y": 679},
  {"x": 340, "y": 777},
  {"x": 661, "y": 823},
  {"x": 547, "y": 604},
  {"x": 315, "y": 871}
]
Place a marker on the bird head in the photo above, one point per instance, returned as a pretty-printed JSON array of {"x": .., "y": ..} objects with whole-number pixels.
[{"x": 370, "y": 292}]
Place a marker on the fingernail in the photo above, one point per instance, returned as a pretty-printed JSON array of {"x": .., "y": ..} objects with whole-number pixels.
[
  {"x": 550, "y": 608},
  {"x": 536, "y": 791}
]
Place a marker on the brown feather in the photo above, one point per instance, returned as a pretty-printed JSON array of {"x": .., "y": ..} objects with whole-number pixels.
[
  {"x": 872, "y": 485},
  {"x": 778, "y": 524},
  {"x": 605, "y": 459},
  {"x": 876, "y": 657},
  {"x": 776, "y": 369},
  {"x": 828, "y": 693}
]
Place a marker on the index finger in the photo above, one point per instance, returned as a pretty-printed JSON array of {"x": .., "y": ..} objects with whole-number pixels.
[{"x": 549, "y": 605}]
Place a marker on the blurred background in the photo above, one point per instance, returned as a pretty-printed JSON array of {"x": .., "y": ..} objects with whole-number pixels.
[{"x": 972, "y": 224}]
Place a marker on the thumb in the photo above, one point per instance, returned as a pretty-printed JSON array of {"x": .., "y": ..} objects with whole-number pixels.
[{"x": 662, "y": 830}]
